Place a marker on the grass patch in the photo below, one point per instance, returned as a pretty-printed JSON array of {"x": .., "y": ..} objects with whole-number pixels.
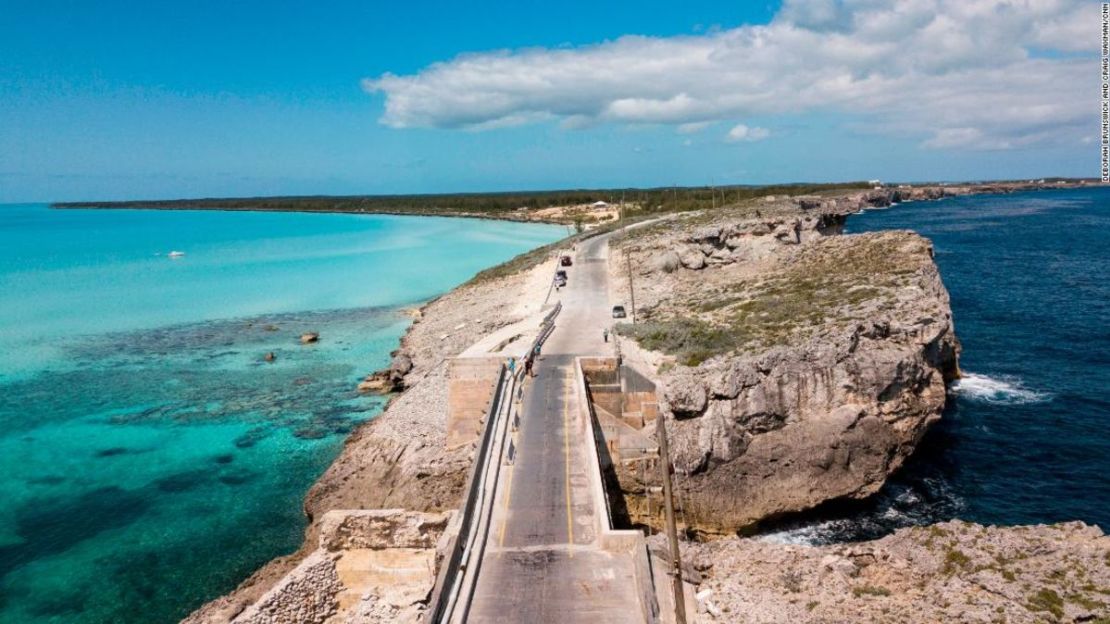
[
  {"x": 955, "y": 560},
  {"x": 690, "y": 340},
  {"x": 869, "y": 590},
  {"x": 1046, "y": 601},
  {"x": 1085, "y": 602}
]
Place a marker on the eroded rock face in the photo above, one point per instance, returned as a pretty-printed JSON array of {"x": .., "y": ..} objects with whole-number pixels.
[
  {"x": 784, "y": 431},
  {"x": 804, "y": 365}
]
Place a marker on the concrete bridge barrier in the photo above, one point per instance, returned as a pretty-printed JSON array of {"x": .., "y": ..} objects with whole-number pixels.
[{"x": 613, "y": 540}]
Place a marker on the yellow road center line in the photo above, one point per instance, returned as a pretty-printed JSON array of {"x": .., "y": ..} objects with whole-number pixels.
[{"x": 566, "y": 463}]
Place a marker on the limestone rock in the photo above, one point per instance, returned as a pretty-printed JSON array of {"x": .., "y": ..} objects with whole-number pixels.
[
  {"x": 948, "y": 572},
  {"x": 844, "y": 345},
  {"x": 692, "y": 258},
  {"x": 667, "y": 262},
  {"x": 378, "y": 529}
]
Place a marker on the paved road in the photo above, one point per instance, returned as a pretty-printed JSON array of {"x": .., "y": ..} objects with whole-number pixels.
[{"x": 542, "y": 563}]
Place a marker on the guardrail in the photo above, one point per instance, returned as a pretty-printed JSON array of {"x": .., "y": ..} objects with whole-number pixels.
[
  {"x": 546, "y": 327},
  {"x": 447, "y": 587},
  {"x": 457, "y": 579}
]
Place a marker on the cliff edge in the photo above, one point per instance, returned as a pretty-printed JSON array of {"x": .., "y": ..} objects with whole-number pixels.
[{"x": 797, "y": 364}]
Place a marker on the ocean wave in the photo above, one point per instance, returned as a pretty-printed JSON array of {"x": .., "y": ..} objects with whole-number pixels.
[
  {"x": 1002, "y": 390},
  {"x": 921, "y": 501}
]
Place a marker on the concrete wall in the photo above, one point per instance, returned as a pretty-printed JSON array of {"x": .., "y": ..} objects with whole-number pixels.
[
  {"x": 616, "y": 541},
  {"x": 604, "y": 384},
  {"x": 469, "y": 389},
  {"x": 639, "y": 405}
]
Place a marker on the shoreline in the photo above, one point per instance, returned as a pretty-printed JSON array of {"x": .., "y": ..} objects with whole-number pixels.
[
  {"x": 416, "y": 384},
  {"x": 367, "y": 213},
  {"x": 531, "y": 206}
]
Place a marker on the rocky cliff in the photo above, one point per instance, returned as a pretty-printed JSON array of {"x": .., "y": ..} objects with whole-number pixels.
[
  {"x": 950, "y": 572},
  {"x": 798, "y": 365}
]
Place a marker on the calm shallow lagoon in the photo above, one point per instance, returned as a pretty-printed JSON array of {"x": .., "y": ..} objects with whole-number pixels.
[{"x": 150, "y": 458}]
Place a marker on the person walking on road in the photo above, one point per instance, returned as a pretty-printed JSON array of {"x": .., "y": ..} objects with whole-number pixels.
[
  {"x": 532, "y": 360},
  {"x": 605, "y": 334},
  {"x": 528, "y": 367},
  {"x": 512, "y": 365}
]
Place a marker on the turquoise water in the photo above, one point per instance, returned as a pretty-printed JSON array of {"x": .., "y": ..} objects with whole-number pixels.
[
  {"x": 151, "y": 459},
  {"x": 1025, "y": 438}
]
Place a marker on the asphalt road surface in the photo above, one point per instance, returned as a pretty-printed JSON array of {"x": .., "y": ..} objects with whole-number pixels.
[{"x": 542, "y": 561}]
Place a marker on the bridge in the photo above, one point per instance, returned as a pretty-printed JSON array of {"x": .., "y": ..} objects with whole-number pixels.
[{"x": 535, "y": 539}]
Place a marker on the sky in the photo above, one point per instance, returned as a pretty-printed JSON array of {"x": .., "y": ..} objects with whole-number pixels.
[{"x": 144, "y": 100}]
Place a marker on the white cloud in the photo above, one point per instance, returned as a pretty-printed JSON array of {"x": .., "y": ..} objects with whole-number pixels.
[
  {"x": 954, "y": 73},
  {"x": 740, "y": 132},
  {"x": 693, "y": 127}
]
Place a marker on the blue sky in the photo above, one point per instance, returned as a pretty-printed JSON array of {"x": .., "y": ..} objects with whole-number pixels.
[{"x": 116, "y": 100}]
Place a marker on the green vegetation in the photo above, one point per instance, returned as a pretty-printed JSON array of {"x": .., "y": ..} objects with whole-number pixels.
[
  {"x": 523, "y": 262},
  {"x": 499, "y": 205},
  {"x": 935, "y": 532},
  {"x": 825, "y": 284},
  {"x": 692, "y": 341},
  {"x": 1085, "y": 602},
  {"x": 1047, "y": 601},
  {"x": 869, "y": 590},
  {"x": 955, "y": 560},
  {"x": 529, "y": 259}
]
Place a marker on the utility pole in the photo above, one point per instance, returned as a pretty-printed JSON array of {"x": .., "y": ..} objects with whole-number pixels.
[{"x": 672, "y": 531}]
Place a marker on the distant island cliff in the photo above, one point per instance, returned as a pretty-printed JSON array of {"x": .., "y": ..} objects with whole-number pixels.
[{"x": 796, "y": 365}]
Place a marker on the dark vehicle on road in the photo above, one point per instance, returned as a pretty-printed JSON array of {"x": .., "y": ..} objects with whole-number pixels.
[
  {"x": 618, "y": 311},
  {"x": 565, "y": 261},
  {"x": 561, "y": 274}
]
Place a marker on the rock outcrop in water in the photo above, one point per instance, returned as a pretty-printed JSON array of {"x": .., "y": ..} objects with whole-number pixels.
[
  {"x": 399, "y": 459},
  {"x": 797, "y": 365}
]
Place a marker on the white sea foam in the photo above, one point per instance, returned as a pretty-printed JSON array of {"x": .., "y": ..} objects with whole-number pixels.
[
  {"x": 811, "y": 535},
  {"x": 1003, "y": 390},
  {"x": 896, "y": 506}
]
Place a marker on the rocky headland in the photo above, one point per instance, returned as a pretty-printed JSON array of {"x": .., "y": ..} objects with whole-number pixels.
[{"x": 795, "y": 365}]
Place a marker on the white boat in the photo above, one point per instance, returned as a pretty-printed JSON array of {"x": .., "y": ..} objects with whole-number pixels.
[{"x": 176, "y": 254}]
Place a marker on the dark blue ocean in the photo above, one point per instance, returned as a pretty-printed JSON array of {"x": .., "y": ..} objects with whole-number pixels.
[{"x": 1026, "y": 435}]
